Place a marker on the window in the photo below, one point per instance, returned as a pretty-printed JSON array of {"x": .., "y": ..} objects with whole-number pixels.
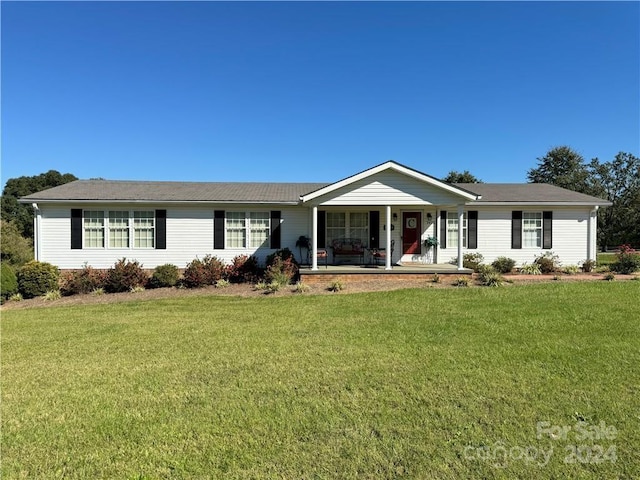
[
  {"x": 452, "y": 230},
  {"x": 336, "y": 226},
  {"x": 236, "y": 225},
  {"x": 532, "y": 229},
  {"x": 359, "y": 226},
  {"x": 348, "y": 225},
  {"x": 259, "y": 228},
  {"x": 118, "y": 229},
  {"x": 143, "y": 229},
  {"x": 94, "y": 229}
]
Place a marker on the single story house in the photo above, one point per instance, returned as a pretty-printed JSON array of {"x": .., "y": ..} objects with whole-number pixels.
[{"x": 389, "y": 209}]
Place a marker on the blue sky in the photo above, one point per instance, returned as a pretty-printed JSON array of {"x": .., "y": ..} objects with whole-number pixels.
[{"x": 297, "y": 91}]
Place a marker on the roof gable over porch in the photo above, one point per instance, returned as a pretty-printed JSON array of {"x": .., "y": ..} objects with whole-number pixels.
[{"x": 389, "y": 184}]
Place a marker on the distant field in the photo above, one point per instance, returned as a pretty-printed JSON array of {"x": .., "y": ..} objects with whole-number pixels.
[{"x": 422, "y": 383}]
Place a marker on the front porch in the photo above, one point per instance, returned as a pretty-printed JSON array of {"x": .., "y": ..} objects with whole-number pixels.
[{"x": 406, "y": 271}]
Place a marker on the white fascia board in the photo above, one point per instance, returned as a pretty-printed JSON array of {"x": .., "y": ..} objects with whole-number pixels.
[
  {"x": 390, "y": 166},
  {"x": 159, "y": 202},
  {"x": 533, "y": 204}
]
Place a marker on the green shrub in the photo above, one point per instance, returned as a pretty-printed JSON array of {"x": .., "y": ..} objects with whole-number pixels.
[
  {"x": 124, "y": 276},
  {"x": 281, "y": 269},
  {"x": 52, "y": 295},
  {"x": 336, "y": 286},
  {"x": 163, "y": 276},
  {"x": 85, "y": 280},
  {"x": 97, "y": 292},
  {"x": 222, "y": 283},
  {"x": 262, "y": 285},
  {"x": 436, "y": 278},
  {"x": 301, "y": 287},
  {"x": 548, "y": 262},
  {"x": 571, "y": 269},
  {"x": 504, "y": 264},
  {"x": 8, "y": 281},
  {"x": 16, "y": 297},
  {"x": 470, "y": 260},
  {"x": 588, "y": 266},
  {"x": 492, "y": 279},
  {"x": 243, "y": 268},
  {"x": 628, "y": 261},
  {"x": 489, "y": 276},
  {"x": 461, "y": 282},
  {"x": 609, "y": 277},
  {"x": 37, "y": 278},
  {"x": 137, "y": 289},
  {"x": 530, "y": 269}
]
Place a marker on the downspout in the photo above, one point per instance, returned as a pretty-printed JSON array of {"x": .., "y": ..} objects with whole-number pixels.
[
  {"x": 593, "y": 238},
  {"x": 36, "y": 231}
]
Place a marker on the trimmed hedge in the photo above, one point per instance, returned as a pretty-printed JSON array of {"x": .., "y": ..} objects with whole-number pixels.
[
  {"x": 37, "y": 278},
  {"x": 166, "y": 275},
  {"x": 124, "y": 276}
]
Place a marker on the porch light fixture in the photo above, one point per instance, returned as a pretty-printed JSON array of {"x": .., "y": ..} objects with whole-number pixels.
[
  {"x": 429, "y": 218},
  {"x": 395, "y": 217}
]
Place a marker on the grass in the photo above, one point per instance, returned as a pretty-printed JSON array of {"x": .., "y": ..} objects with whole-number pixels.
[
  {"x": 606, "y": 259},
  {"x": 402, "y": 384}
]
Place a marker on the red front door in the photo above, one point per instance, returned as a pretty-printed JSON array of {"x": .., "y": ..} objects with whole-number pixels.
[{"x": 411, "y": 230}]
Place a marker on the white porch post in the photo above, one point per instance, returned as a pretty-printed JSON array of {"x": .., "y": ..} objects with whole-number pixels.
[
  {"x": 314, "y": 238},
  {"x": 460, "y": 232},
  {"x": 592, "y": 238},
  {"x": 387, "y": 256}
]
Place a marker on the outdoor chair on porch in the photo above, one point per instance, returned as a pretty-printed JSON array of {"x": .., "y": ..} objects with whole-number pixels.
[
  {"x": 380, "y": 255},
  {"x": 323, "y": 255}
]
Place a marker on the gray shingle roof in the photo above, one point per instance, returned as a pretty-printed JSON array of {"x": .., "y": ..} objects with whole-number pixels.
[
  {"x": 257, "y": 192},
  {"x": 117, "y": 190},
  {"x": 528, "y": 193}
]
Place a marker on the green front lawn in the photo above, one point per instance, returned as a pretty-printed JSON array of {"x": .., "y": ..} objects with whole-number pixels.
[{"x": 422, "y": 383}]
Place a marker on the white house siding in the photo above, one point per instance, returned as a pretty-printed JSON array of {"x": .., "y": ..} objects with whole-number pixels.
[
  {"x": 189, "y": 235},
  {"x": 569, "y": 238},
  {"x": 388, "y": 188}
]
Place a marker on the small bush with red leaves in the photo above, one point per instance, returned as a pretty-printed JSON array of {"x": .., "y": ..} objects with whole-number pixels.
[
  {"x": 85, "y": 280},
  {"x": 124, "y": 276},
  {"x": 243, "y": 268},
  {"x": 203, "y": 272}
]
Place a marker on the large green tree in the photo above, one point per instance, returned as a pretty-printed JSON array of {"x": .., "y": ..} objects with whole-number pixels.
[
  {"x": 15, "y": 249},
  {"x": 22, "y": 215},
  {"x": 564, "y": 167},
  {"x": 618, "y": 181},
  {"x": 457, "y": 177}
]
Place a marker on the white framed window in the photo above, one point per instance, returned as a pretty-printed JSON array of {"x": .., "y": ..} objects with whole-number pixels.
[
  {"x": 336, "y": 225},
  {"x": 452, "y": 230},
  {"x": 144, "y": 229},
  {"x": 236, "y": 230},
  {"x": 259, "y": 229},
  {"x": 359, "y": 226},
  {"x": 93, "y": 229},
  {"x": 247, "y": 229},
  {"x": 347, "y": 225},
  {"x": 118, "y": 229},
  {"x": 531, "y": 229}
]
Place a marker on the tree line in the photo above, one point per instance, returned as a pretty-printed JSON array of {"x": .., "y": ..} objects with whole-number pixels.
[{"x": 616, "y": 180}]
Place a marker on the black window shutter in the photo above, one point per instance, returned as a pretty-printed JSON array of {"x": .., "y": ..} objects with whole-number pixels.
[
  {"x": 275, "y": 228},
  {"x": 161, "y": 229},
  {"x": 547, "y": 229},
  {"x": 218, "y": 229},
  {"x": 472, "y": 229},
  {"x": 374, "y": 228},
  {"x": 322, "y": 224},
  {"x": 516, "y": 229},
  {"x": 443, "y": 229},
  {"x": 76, "y": 228}
]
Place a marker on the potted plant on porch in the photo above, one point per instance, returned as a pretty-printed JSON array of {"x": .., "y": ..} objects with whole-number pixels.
[
  {"x": 303, "y": 242},
  {"x": 430, "y": 243}
]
